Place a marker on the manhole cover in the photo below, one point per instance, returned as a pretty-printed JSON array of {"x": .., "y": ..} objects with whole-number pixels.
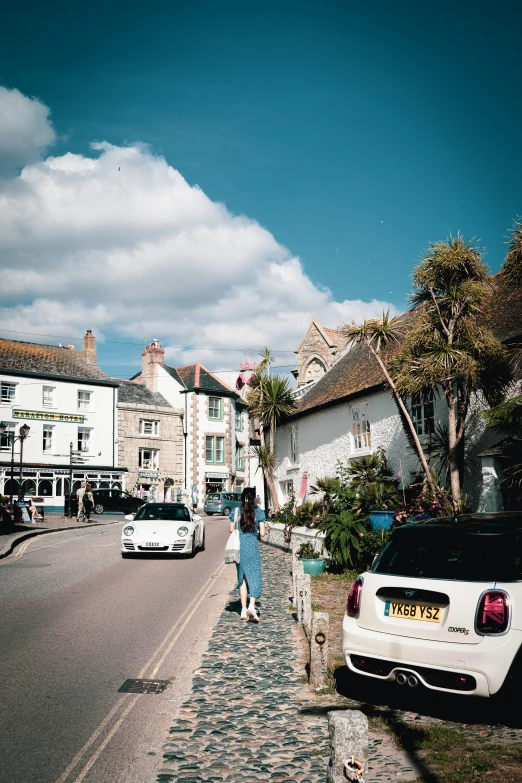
[{"x": 143, "y": 686}]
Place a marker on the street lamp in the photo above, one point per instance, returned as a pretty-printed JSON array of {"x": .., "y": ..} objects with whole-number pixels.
[{"x": 12, "y": 438}]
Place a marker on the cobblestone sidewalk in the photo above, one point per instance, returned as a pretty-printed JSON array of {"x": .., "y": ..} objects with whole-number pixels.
[
  {"x": 249, "y": 716},
  {"x": 246, "y": 718}
]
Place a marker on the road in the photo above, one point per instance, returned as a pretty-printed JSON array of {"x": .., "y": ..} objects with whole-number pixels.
[{"x": 77, "y": 621}]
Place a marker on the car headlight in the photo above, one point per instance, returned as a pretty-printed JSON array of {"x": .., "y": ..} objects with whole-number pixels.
[
  {"x": 182, "y": 531},
  {"x": 128, "y": 530}
]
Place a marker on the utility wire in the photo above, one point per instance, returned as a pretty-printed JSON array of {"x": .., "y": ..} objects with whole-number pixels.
[{"x": 121, "y": 342}]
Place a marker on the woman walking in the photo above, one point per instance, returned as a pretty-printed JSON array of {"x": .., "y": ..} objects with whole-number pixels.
[
  {"x": 88, "y": 503},
  {"x": 250, "y": 521}
]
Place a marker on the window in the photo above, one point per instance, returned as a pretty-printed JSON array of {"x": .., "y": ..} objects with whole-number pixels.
[
  {"x": 149, "y": 427},
  {"x": 214, "y": 449},
  {"x": 48, "y": 396},
  {"x": 288, "y": 489},
  {"x": 149, "y": 459},
  {"x": 214, "y": 407},
  {"x": 422, "y": 412},
  {"x": 361, "y": 427},
  {"x": 7, "y": 392},
  {"x": 239, "y": 457},
  {"x": 239, "y": 420},
  {"x": 293, "y": 444},
  {"x": 47, "y": 438},
  {"x": 84, "y": 438},
  {"x": 5, "y": 440},
  {"x": 84, "y": 400}
]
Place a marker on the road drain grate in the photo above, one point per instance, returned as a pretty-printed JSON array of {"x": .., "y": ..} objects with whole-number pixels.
[{"x": 143, "y": 686}]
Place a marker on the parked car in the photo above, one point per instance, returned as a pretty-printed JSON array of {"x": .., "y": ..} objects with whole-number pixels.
[
  {"x": 163, "y": 527},
  {"x": 221, "y": 503},
  {"x": 441, "y": 607},
  {"x": 109, "y": 500}
]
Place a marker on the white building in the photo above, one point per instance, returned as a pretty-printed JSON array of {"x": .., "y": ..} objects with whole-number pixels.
[
  {"x": 65, "y": 399},
  {"x": 347, "y": 413},
  {"x": 216, "y": 427}
]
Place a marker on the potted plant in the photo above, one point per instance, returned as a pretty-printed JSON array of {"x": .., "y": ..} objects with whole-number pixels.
[{"x": 313, "y": 563}]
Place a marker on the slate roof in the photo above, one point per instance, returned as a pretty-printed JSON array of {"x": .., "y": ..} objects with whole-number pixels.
[
  {"x": 336, "y": 337},
  {"x": 173, "y": 374},
  {"x": 48, "y": 360},
  {"x": 197, "y": 377},
  {"x": 357, "y": 372},
  {"x": 139, "y": 394}
]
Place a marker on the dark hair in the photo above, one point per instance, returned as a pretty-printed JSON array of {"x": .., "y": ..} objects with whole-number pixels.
[{"x": 248, "y": 510}]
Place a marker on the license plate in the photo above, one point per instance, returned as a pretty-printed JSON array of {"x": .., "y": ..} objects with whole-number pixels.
[
  {"x": 430, "y": 614},
  {"x": 152, "y": 543}
]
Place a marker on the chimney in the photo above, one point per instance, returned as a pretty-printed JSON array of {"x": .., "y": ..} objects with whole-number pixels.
[
  {"x": 152, "y": 355},
  {"x": 89, "y": 350}
]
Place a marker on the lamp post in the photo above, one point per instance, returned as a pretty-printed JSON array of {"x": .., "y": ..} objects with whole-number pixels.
[{"x": 12, "y": 438}]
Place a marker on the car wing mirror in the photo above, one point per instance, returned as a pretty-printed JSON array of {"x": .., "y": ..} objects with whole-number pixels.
[
  {"x": 196, "y": 517},
  {"x": 129, "y": 517}
]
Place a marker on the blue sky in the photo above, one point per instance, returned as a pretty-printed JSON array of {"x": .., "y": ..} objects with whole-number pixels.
[{"x": 354, "y": 135}]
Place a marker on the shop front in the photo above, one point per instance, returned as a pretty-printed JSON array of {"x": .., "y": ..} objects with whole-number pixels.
[
  {"x": 52, "y": 483},
  {"x": 216, "y": 482},
  {"x": 153, "y": 486}
]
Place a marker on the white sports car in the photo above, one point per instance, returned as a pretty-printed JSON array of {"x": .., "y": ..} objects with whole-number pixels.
[{"x": 163, "y": 527}]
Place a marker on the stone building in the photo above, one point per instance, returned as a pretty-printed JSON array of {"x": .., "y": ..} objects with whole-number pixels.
[
  {"x": 150, "y": 442},
  {"x": 319, "y": 350},
  {"x": 216, "y": 426}
]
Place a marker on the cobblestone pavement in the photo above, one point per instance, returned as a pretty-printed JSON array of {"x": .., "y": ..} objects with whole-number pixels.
[{"x": 249, "y": 716}]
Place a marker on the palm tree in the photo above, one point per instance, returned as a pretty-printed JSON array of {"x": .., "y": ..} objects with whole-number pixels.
[
  {"x": 447, "y": 348},
  {"x": 378, "y": 335},
  {"x": 512, "y": 268},
  {"x": 277, "y": 402}
]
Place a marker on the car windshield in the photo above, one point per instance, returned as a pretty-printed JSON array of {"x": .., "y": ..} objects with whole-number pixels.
[
  {"x": 167, "y": 511},
  {"x": 434, "y": 553}
]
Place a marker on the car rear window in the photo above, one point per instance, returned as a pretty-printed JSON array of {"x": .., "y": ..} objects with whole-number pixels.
[
  {"x": 212, "y": 497},
  {"x": 434, "y": 553},
  {"x": 167, "y": 512}
]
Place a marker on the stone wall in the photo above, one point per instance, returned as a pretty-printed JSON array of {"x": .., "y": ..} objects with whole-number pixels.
[{"x": 300, "y": 535}]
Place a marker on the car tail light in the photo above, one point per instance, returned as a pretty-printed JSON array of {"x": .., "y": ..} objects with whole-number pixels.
[
  {"x": 492, "y": 613},
  {"x": 354, "y": 598}
]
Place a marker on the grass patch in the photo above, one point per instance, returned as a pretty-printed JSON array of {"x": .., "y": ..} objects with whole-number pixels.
[{"x": 456, "y": 757}]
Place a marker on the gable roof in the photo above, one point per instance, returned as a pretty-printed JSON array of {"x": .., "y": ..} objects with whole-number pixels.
[
  {"x": 357, "y": 372},
  {"x": 139, "y": 394},
  {"x": 173, "y": 374},
  {"x": 195, "y": 377},
  {"x": 48, "y": 361},
  {"x": 332, "y": 337}
]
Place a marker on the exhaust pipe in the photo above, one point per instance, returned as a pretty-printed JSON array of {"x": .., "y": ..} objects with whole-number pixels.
[
  {"x": 412, "y": 681},
  {"x": 401, "y": 679}
]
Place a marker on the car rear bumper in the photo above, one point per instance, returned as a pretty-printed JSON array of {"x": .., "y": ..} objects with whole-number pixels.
[
  {"x": 487, "y": 662},
  {"x": 179, "y": 546}
]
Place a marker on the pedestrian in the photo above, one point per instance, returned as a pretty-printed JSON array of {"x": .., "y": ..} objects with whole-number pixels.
[
  {"x": 79, "y": 497},
  {"x": 33, "y": 510},
  {"x": 88, "y": 503},
  {"x": 250, "y": 521}
]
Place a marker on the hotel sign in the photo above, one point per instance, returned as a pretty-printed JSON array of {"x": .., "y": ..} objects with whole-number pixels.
[{"x": 76, "y": 418}]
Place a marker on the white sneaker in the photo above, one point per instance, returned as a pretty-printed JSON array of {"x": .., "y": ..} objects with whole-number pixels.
[
  {"x": 253, "y": 615},
  {"x": 244, "y": 615}
]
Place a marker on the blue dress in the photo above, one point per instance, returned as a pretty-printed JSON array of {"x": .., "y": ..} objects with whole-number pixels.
[{"x": 249, "y": 566}]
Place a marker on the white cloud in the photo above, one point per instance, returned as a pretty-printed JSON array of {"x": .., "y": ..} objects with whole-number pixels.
[
  {"x": 120, "y": 242},
  {"x": 25, "y": 130}
]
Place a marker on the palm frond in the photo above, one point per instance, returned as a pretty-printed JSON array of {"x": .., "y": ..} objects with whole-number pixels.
[{"x": 512, "y": 268}]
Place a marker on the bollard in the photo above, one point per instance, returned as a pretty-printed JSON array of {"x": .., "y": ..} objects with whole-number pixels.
[
  {"x": 348, "y": 731},
  {"x": 297, "y": 570},
  {"x": 319, "y": 648},
  {"x": 304, "y": 599}
]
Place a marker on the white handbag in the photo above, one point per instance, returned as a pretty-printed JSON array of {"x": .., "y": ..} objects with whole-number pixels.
[{"x": 232, "y": 547}]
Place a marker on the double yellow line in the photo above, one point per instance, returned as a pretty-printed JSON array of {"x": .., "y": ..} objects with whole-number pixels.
[{"x": 107, "y": 729}]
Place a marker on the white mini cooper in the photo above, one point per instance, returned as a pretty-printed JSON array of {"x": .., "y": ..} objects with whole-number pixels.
[
  {"x": 441, "y": 606},
  {"x": 163, "y": 528}
]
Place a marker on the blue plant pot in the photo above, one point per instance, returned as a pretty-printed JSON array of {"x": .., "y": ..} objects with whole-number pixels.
[
  {"x": 314, "y": 567},
  {"x": 381, "y": 520}
]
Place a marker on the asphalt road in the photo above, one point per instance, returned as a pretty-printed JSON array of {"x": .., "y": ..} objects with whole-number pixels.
[{"x": 77, "y": 621}]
